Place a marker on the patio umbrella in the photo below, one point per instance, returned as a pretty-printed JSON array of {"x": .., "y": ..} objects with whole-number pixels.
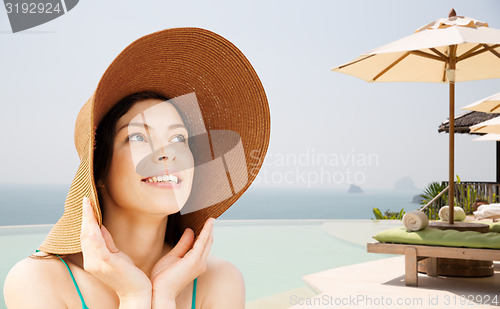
[
  {"x": 489, "y": 107},
  {"x": 463, "y": 123},
  {"x": 490, "y": 104},
  {"x": 488, "y": 137},
  {"x": 448, "y": 50},
  {"x": 488, "y": 126}
]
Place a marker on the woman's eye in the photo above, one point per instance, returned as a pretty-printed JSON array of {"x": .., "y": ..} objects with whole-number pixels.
[
  {"x": 137, "y": 137},
  {"x": 179, "y": 138}
]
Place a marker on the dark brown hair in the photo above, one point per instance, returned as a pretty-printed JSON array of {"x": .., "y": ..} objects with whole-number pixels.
[{"x": 103, "y": 152}]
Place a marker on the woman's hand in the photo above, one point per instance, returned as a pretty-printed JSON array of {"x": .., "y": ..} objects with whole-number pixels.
[
  {"x": 173, "y": 272},
  {"x": 104, "y": 261}
]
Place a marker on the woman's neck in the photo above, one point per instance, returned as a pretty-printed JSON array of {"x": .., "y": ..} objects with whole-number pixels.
[{"x": 140, "y": 236}]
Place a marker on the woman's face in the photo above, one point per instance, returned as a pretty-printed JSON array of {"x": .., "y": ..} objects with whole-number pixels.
[{"x": 152, "y": 167}]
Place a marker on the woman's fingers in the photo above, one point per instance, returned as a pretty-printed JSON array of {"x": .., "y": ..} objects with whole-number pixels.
[
  {"x": 198, "y": 255},
  {"x": 176, "y": 265},
  {"x": 184, "y": 244},
  {"x": 108, "y": 240},
  {"x": 208, "y": 245},
  {"x": 88, "y": 220},
  {"x": 88, "y": 217},
  {"x": 203, "y": 239},
  {"x": 177, "y": 253},
  {"x": 91, "y": 237}
]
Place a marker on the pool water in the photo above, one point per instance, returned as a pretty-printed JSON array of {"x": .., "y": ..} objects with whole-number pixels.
[{"x": 273, "y": 255}]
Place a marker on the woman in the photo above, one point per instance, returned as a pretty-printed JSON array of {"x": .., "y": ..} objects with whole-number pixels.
[{"x": 172, "y": 123}]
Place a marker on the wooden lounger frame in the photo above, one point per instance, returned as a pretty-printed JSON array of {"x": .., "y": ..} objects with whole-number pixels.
[{"x": 414, "y": 253}]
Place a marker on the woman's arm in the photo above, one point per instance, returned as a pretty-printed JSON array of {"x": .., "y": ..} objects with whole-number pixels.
[{"x": 135, "y": 302}]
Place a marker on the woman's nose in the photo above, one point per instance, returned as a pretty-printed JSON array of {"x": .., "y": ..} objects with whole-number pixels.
[{"x": 165, "y": 153}]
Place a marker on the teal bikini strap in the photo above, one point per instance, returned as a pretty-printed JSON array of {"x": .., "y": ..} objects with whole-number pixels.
[
  {"x": 194, "y": 293},
  {"x": 84, "y": 306}
]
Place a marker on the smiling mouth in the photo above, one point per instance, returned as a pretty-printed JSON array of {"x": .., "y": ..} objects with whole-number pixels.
[{"x": 163, "y": 179}]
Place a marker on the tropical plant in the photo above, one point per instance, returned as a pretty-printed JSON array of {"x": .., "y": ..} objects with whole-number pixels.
[
  {"x": 433, "y": 190},
  {"x": 388, "y": 215},
  {"x": 466, "y": 196}
]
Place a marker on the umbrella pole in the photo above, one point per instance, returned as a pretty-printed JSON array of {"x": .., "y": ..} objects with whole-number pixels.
[
  {"x": 498, "y": 162},
  {"x": 451, "y": 182},
  {"x": 452, "y": 61}
]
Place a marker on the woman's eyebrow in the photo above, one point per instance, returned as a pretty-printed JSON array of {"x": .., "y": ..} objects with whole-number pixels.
[{"x": 143, "y": 125}]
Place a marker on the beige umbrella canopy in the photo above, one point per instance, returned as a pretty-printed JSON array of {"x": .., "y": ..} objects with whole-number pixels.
[
  {"x": 490, "y": 104},
  {"x": 488, "y": 126},
  {"x": 488, "y": 137},
  {"x": 448, "y": 50}
]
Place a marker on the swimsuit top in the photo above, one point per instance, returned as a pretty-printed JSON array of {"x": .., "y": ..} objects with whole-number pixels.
[{"x": 84, "y": 306}]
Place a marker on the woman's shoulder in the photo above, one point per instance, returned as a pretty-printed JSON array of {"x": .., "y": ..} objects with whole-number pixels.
[
  {"x": 32, "y": 283},
  {"x": 222, "y": 284},
  {"x": 222, "y": 268}
]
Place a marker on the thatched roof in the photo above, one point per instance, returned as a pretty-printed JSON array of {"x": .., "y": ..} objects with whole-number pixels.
[{"x": 464, "y": 121}]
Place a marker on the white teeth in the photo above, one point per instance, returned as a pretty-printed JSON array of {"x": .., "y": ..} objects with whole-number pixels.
[{"x": 163, "y": 178}]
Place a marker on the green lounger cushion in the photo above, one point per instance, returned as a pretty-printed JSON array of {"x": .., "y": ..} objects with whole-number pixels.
[{"x": 436, "y": 237}]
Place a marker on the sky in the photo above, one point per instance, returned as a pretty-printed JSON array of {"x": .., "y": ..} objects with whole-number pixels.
[{"x": 328, "y": 129}]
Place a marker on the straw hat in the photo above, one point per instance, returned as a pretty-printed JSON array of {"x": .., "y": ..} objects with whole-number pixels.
[{"x": 173, "y": 62}]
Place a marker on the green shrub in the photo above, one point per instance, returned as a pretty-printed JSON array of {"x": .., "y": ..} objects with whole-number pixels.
[{"x": 388, "y": 215}]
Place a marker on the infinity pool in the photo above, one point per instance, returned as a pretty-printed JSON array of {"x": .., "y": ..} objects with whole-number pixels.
[{"x": 273, "y": 255}]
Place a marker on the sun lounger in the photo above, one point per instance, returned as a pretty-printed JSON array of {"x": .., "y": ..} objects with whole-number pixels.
[
  {"x": 433, "y": 244},
  {"x": 414, "y": 253}
]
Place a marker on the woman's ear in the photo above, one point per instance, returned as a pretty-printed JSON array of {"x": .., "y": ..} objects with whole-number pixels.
[{"x": 100, "y": 185}]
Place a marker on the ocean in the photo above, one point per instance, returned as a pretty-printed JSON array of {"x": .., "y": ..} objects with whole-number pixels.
[{"x": 30, "y": 204}]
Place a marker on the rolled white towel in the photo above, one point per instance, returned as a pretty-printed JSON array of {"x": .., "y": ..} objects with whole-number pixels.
[
  {"x": 415, "y": 221},
  {"x": 489, "y": 206},
  {"x": 444, "y": 213},
  {"x": 487, "y": 211}
]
